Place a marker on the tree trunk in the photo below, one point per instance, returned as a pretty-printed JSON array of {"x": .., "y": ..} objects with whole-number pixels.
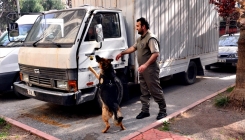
[
  {"x": 227, "y": 25},
  {"x": 237, "y": 96}
]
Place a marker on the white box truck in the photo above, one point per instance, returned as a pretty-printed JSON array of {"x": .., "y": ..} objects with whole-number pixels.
[
  {"x": 55, "y": 57},
  {"x": 9, "y": 68}
]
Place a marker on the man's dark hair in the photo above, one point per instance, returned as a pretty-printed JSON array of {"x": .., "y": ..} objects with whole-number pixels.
[{"x": 143, "y": 21}]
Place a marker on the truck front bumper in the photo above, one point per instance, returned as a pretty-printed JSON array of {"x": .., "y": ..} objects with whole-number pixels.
[{"x": 56, "y": 97}]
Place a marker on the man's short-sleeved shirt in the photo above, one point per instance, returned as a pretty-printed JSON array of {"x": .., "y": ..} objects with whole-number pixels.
[{"x": 144, "y": 50}]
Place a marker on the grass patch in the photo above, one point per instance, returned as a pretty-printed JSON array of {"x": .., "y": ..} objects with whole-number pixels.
[
  {"x": 165, "y": 126},
  {"x": 3, "y": 135},
  {"x": 230, "y": 89},
  {"x": 4, "y": 127},
  {"x": 2, "y": 122},
  {"x": 221, "y": 101}
]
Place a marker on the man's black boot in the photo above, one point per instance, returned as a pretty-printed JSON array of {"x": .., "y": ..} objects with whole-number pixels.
[
  {"x": 142, "y": 115},
  {"x": 161, "y": 115},
  {"x": 162, "y": 112}
]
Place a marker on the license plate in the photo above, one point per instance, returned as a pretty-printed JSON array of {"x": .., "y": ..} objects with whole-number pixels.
[
  {"x": 31, "y": 92},
  {"x": 221, "y": 60}
]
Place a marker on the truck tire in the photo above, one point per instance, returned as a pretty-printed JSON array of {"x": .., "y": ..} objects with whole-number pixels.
[
  {"x": 189, "y": 77},
  {"x": 17, "y": 94},
  {"x": 207, "y": 67},
  {"x": 120, "y": 94}
]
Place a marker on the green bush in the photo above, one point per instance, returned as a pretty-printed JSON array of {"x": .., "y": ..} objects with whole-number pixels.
[{"x": 221, "y": 101}]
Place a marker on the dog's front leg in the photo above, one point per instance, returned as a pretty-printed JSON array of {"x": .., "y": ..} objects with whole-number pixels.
[{"x": 94, "y": 72}]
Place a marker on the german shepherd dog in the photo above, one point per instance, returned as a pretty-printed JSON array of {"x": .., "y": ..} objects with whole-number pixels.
[{"x": 109, "y": 89}]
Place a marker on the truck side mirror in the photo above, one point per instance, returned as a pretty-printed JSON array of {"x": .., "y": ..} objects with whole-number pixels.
[
  {"x": 99, "y": 33},
  {"x": 13, "y": 29}
]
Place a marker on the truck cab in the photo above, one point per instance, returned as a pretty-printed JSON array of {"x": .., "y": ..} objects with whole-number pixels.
[{"x": 9, "y": 48}]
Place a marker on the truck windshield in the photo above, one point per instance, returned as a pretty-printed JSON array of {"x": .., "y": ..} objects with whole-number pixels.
[{"x": 59, "y": 27}]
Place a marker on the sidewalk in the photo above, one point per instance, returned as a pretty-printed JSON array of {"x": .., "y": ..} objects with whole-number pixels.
[{"x": 150, "y": 133}]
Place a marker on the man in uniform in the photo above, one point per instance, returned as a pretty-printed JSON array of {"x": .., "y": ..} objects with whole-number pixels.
[{"x": 147, "y": 48}]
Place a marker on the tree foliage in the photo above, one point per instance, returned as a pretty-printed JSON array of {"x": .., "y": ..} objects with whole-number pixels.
[
  {"x": 6, "y": 6},
  {"x": 29, "y": 6},
  {"x": 52, "y": 4},
  {"x": 224, "y": 7},
  {"x": 26, "y": 6}
]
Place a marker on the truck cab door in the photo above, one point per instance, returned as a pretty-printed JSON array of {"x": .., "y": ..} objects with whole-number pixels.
[{"x": 112, "y": 44}]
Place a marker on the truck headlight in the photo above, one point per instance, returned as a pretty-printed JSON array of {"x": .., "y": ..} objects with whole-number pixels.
[
  {"x": 25, "y": 77},
  {"x": 61, "y": 84}
]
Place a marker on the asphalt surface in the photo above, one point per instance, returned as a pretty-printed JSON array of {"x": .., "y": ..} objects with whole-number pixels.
[{"x": 84, "y": 121}]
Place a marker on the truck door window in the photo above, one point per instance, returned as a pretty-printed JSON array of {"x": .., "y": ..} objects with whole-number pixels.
[
  {"x": 90, "y": 36},
  {"x": 110, "y": 24}
]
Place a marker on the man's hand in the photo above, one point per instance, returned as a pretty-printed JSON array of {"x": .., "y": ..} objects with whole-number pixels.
[
  {"x": 118, "y": 56},
  {"x": 142, "y": 68}
]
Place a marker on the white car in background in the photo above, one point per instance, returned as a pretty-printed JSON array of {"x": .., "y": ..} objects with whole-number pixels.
[
  {"x": 227, "y": 55},
  {"x": 4, "y": 41},
  {"x": 9, "y": 68}
]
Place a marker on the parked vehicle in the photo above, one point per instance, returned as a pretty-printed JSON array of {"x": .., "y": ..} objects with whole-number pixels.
[
  {"x": 4, "y": 41},
  {"x": 227, "y": 51},
  {"x": 62, "y": 45},
  {"x": 9, "y": 68}
]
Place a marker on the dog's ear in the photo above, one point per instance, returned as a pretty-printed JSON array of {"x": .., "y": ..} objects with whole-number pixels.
[
  {"x": 110, "y": 60},
  {"x": 98, "y": 58}
]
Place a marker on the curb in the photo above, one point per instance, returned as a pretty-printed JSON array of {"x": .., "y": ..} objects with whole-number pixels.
[
  {"x": 173, "y": 115},
  {"x": 29, "y": 129}
]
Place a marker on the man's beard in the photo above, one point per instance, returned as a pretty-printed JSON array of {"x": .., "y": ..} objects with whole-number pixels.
[{"x": 140, "y": 32}]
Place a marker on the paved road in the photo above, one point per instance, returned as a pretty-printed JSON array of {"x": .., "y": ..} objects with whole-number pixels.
[{"x": 84, "y": 122}]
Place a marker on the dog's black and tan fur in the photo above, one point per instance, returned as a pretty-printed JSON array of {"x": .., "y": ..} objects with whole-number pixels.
[{"x": 109, "y": 90}]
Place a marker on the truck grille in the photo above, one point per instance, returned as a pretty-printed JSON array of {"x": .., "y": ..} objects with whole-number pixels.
[
  {"x": 44, "y": 76},
  {"x": 223, "y": 56},
  {"x": 40, "y": 80}
]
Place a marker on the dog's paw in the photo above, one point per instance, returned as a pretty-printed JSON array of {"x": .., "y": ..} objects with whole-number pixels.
[
  {"x": 120, "y": 119},
  {"x": 90, "y": 68},
  {"x": 122, "y": 127},
  {"x": 105, "y": 130}
]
